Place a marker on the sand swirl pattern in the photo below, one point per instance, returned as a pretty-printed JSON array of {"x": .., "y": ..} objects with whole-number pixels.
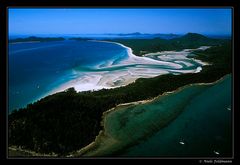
[{"x": 120, "y": 71}]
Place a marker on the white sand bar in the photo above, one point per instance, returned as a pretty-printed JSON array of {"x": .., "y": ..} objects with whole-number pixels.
[{"x": 128, "y": 70}]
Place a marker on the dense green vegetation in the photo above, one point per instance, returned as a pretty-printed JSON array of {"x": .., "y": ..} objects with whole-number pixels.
[
  {"x": 68, "y": 120},
  {"x": 40, "y": 39},
  {"x": 188, "y": 41}
]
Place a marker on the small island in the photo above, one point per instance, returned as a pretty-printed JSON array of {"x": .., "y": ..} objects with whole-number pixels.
[{"x": 36, "y": 39}]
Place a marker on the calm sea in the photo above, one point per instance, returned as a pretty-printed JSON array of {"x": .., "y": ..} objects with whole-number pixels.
[{"x": 37, "y": 68}]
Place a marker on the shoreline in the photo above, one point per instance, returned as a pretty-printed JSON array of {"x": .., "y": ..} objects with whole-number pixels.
[
  {"x": 131, "y": 55},
  {"x": 24, "y": 42},
  {"x": 101, "y": 80},
  {"x": 164, "y": 94},
  {"x": 211, "y": 74},
  {"x": 31, "y": 153},
  {"x": 97, "y": 80},
  {"x": 81, "y": 151},
  {"x": 101, "y": 135}
]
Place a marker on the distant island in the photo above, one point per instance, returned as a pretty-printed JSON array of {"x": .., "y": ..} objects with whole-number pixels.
[
  {"x": 36, "y": 39},
  {"x": 129, "y": 34},
  {"x": 67, "y": 121},
  {"x": 80, "y": 38}
]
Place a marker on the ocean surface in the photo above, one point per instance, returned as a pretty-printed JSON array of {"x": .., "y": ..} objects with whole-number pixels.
[
  {"x": 103, "y": 36},
  {"x": 195, "y": 121},
  {"x": 203, "y": 129},
  {"x": 115, "y": 36},
  {"x": 38, "y": 69}
]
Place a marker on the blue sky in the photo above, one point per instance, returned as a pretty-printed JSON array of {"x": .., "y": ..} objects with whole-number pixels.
[{"x": 99, "y": 21}]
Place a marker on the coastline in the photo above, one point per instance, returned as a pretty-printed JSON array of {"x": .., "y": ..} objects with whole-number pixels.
[
  {"x": 114, "y": 78},
  {"x": 97, "y": 80},
  {"x": 129, "y": 51},
  {"x": 164, "y": 94},
  {"x": 189, "y": 82},
  {"x": 24, "y": 42},
  {"x": 132, "y": 56},
  {"x": 102, "y": 134},
  {"x": 108, "y": 77},
  {"x": 17, "y": 150}
]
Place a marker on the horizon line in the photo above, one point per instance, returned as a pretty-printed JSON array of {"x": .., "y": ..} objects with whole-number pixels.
[{"x": 140, "y": 33}]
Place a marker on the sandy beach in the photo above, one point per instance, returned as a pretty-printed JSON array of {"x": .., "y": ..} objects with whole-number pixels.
[{"x": 128, "y": 70}]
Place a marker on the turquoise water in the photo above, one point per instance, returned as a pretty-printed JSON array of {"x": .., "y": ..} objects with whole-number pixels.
[
  {"x": 203, "y": 129},
  {"x": 42, "y": 68},
  {"x": 37, "y": 68},
  {"x": 194, "y": 121}
]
